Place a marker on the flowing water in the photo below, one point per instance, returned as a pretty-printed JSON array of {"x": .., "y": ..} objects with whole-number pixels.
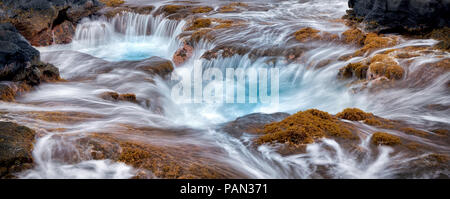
[{"x": 303, "y": 85}]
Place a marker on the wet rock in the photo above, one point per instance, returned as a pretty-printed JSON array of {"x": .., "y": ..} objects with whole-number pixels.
[
  {"x": 225, "y": 51},
  {"x": 61, "y": 117},
  {"x": 111, "y": 12},
  {"x": 20, "y": 63},
  {"x": 177, "y": 12},
  {"x": 154, "y": 65},
  {"x": 253, "y": 123},
  {"x": 382, "y": 138},
  {"x": 183, "y": 161},
  {"x": 36, "y": 20},
  {"x": 384, "y": 66},
  {"x": 113, "y": 96},
  {"x": 16, "y": 53},
  {"x": 199, "y": 23},
  {"x": 378, "y": 69},
  {"x": 306, "y": 34},
  {"x": 402, "y": 15},
  {"x": 354, "y": 35},
  {"x": 16, "y": 145},
  {"x": 354, "y": 114},
  {"x": 112, "y": 3},
  {"x": 7, "y": 93},
  {"x": 233, "y": 7},
  {"x": 375, "y": 41},
  {"x": 63, "y": 33},
  {"x": 183, "y": 54},
  {"x": 18, "y": 60},
  {"x": 443, "y": 35},
  {"x": 305, "y": 127}
]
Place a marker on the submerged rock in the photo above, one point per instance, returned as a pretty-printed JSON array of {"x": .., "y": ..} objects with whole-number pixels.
[
  {"x": 183, "y": 54},
  {"x": 16, "y": 145},
  {"x": 253, "y": 123},
  {"x": 113, "y": 96}
]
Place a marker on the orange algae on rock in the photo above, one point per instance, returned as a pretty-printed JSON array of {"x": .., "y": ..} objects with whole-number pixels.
[
  {"x": 354, "y": 35},
  {"x": 305, "y": 127},
  {"x": 162, "y": 161},
  {"x": 412, "y": 131},
  {"x": 358, "y": 70},
  {"x": 384, "y": 65},
  {"x": 374, "y": 41},
  {"x": 232, "y": 7},
  {"x": 354, "y": 114},
  {"x": 113, "y": 96},
  {"x": 171, "y": 9},
  {"x": 382, "y": 138}
]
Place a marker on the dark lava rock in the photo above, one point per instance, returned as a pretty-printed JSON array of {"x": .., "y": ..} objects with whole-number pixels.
[
  {"x": 16, "y": 145},
  {"x": 402, "y": 15},
  {"x": 36, "y": 20}
]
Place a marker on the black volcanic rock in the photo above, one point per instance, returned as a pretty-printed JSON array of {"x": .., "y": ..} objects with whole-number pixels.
[
  {"x": 20, "y": 63},
  {"x": 402, "y": 15}
]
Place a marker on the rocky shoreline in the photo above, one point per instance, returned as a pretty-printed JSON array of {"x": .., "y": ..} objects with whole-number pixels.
[{"x": 24, "y": 24}]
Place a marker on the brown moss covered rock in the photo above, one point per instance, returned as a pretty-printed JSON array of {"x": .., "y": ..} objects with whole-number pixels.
[
  {"x": 232, "y": 7},
  {"x": 36, "y": 21},
  {"x": 68, "y": 117},
  {"x": 379, "y": 66},
  {"x": 381, "y": 138},
  {"x": 443, "y": 36},
  {"x": 358, "y": 70},
  {"x": 253, "y": 123},
  {"x": 7, "y": 93},
  {"x": 354, "y": 35},
  {"x": 183, "y": 54},
  {"x": 16, "y": 145},
  {"x": 112, "y": 3},
  {"x": 304, "y": 128},
  {"x": 383, "y": 65},
  {"x": 311, "y": 34},
  {"x": 199, "y": 23},
  {"x": 374, "y": 42},
  {"x": 183, "y": 161},
  {"x": 111, "y": 12}
]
